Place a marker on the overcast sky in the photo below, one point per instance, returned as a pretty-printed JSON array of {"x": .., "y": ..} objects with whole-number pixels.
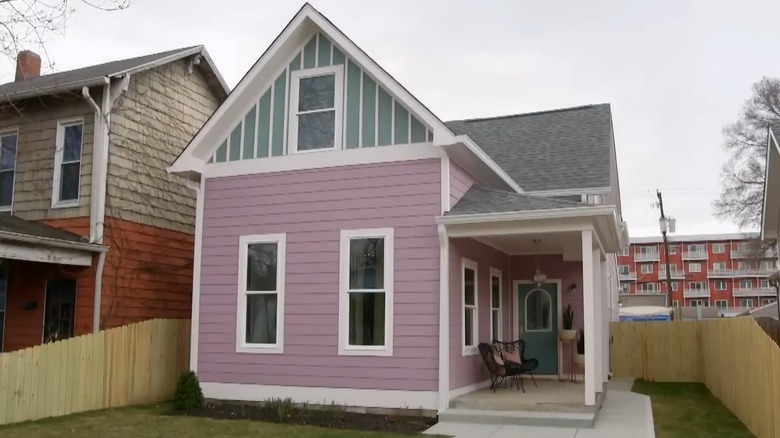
[{"x": 675, "y": 72}]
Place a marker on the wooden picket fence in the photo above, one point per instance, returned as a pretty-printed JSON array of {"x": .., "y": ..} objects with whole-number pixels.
[
  {"x": 733, "y": 357},
  {"x": 134, "y": 364}
]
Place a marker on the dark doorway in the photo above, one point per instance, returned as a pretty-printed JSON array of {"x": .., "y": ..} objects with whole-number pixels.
[{"x": 60, "y": 310}]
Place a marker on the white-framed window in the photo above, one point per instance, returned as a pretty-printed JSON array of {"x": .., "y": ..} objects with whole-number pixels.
[
  {"x": 764, "y": 284},
  {"x": 718, "y": 248},
  {"x": 768, "y": 265},
  {"x": 699, "y": 303},
  {"x": 697, "y": 285},
  {"x": 720, "y": 285},
  {"x": 316, "y": 109},
  {"x": 624, "y": 269},
  {"x": 767, "y": 301},
  {"x": 623, "y": 251},
  {"x": 367, "y": 272},
  {"x": 744, "y": 265},
  {"x": 675, "y": 286},
  {"x": 746, "y": 302},
  {"x": 694, "y": 267},
  {"x": 719, "y": 266},
  {"x": 722, "y": 304},
  {"x": 646, "y": 268},
  {"x": 261, "y": 278},
  {"x": 496, "y": 293},
  {"x": 675, "y": 303},
  {"x": 647, "y": 287},
  {"x": 470, "y": 300},
  {"x": 67, "y": 163},
  {"x": 625, "y": 288},
  {"x": 646, "y": 250},
  {"x": 8, "y": 147},
  {"x": 672, "y": 249},
  {"x": 746, "y": 284},
  {"x": 697, "y": 247}
]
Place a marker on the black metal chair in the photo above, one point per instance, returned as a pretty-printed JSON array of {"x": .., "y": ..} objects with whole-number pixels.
[
  {"x": 509, "y": 370},
  {"x": 527, "y": 365}
]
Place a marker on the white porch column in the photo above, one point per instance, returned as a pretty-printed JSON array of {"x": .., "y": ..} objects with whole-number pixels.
[
  {"x": 598, "y": 312},
  {"x": 444, "y": 318},
  {"x": 606, "y": 308},
  {"x": 589, "y": 317}
]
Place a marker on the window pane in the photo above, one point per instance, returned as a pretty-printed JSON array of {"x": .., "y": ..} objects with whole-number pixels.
[
  {"x": 468, "y": 286},
  {"x": 72, "y": 146},
  {"x": 6, "y": 188},
  {"x": 261, "y": 267},
  {"x": 8, "y": 152},
  {"x": 495, "y": 291},
  {"x": 316, "y": 130},
  {"x": 468, "y": 326},
  {"x": 496, "y": 323},
  {"x": 367, "y": 263},
  {"x": 366, "y": 318},
  {"x": 315, "y": 93},
  {"x": 261, "y": 319},
  {"x": 537, "y": 310},
  {"x": 69, "y": 181}
]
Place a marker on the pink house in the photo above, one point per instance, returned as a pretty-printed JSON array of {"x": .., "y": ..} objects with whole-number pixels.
[{"x": 351, "y": 247}]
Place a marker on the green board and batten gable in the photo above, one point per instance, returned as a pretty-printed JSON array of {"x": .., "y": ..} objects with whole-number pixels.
[{"x": 372, "y": 117}]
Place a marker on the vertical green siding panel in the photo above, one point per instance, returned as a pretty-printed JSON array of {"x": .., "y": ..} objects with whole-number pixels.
[
  {"x": 385, "y": 128},
  {"x": 249, "y": 134},
  {"x": 369, "y": 112},
  {"x": 277, "y": 142},
  {"x": 338, "y": 57},
  {"x": 418, "y": 131},
  {"x": 323, "y": 53},
  {"x": 221, "y": 155},
  {"x": 264, "y": 124},
  {"x": 401, "y": 124},
  {"x": 352, "y": 134},
  {"x": 295, "y": 64},
  {"x": 310, "y": 53},
  {"x": 235, "y": 144}
]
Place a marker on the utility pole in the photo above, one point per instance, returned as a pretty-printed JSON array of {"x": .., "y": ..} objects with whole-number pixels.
[{"x": 664, "y": 223}]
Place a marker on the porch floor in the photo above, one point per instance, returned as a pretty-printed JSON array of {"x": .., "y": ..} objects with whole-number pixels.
[{"x": 549, "y": 396}]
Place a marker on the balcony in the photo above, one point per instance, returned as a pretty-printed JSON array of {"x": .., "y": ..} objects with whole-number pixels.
[
  {"x": 654, "y": 291},
  {"x": 696, "y": 293},
  {"x": 647, "y": 256},
  {"x": 695, "y": 255},
  {"x": 730, "y": 273},
  {"x": 677, "y": 274},
  {"x": 747, "y": 253},
  {"x": 627, "y": 276},
  {"x": 754, "y": 292}
]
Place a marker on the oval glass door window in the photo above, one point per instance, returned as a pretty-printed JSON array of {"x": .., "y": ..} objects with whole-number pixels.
[{"x": 538, "y": 311}]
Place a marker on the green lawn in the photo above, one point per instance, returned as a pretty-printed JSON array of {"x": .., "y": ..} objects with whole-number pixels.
[
  {"x": 683, "y": 410},
  {"x": 152, "y": 422}
]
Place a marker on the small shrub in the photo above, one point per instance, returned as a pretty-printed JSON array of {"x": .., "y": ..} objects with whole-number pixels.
[
  {"x": 282, "y": 409},
  {"x": 188, "y": 393},
  {"x": 336, "y": 412}
]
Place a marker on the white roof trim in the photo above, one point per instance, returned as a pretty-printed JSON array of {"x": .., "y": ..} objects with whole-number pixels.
[
  {"x": 554, "y": 213},
  {"x": 306, "y": 21},
  {"x": 51, "y": 242},
  {"x": 485, "y": 158},
  {"x": 570, "y": 192},
  {"x": 770, "y": 211}
]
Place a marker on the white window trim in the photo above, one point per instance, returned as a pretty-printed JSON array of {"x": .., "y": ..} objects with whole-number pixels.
[
  {"x": 497, "y": 274},
  {"x": 691, "y": 265},
  {"x": 746, "y": 302},
  {"x": 722, "y": 301},
  {"x": 716, "y": 246},
  {"x": 469, "y": 350},
  {"x": 642, "y": 269},
  {"x": 675, "y": 287},
  {"x": 366, "y": 350},
  {"x": 58, "y": 155},
  {"x": 338, "y": 102},
  {"x": 244, "y": 241},
  {"x": 745, "y": 284},
  {"x": 723, "y": 283},
  {"x": 3, "y": 133}
]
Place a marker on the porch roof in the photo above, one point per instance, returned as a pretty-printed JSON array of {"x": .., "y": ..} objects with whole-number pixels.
[
  {"x": 38, "y": 242},
  {"x": 479, "y": 200}
]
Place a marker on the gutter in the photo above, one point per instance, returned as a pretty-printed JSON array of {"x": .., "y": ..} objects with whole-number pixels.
[
  {"x": 48, "y": 241},
  {"x": 555, "y": 213}
]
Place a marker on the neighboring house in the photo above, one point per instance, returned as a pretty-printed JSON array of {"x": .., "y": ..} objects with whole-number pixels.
[
  {"x": 727, "y": 271},
  {"x": 94, "y": 233},
  {"x": 352, "y": 247}
]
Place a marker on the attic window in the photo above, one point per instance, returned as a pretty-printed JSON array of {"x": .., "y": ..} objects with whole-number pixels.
[{"x": 316, "y": 109}]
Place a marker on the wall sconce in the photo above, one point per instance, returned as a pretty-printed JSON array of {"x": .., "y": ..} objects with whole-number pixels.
[{"x": 573, "y": 288}]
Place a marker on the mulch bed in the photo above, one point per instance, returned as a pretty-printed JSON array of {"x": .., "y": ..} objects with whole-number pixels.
[{"x": 323, "y": 417}]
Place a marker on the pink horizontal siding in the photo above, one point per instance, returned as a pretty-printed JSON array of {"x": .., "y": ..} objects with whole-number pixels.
[
  {"x": 460, "y": 183},
  {"x": 469, "y": 370},
  {"x": 312, "y": 207}
]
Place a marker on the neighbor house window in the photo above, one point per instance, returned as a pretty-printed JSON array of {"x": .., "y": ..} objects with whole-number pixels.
[
  {"x": 720, "y": 285},
  {"x": 699, "y": 303},
  {"x": 366, "y": 292},
  {"x": 694, "y": 267},
  {"x": 745, "y": 284},
  {"x": 767, "y": 301},
  {"x": 746, "y": 302},
  {"x": 719, "y": 266},
  {"x": 470, "y": 305},
  {"x": 67, "y": 163},
  {"x": 722, "y": 304},
  {"x": 697, "y": 285},
  {"x": 316, "y": 109},
  {"x": 495, "y": 304},
  {"x": 672, "y": 249},
  {"x": 625, "y": 288},
  {"x": 646, "y": 269},
  {"x": 8, "y": 146},
  {"x": 718, "y": 248},
  {"x": 261, "y": 267},
  {"x": 764, "y": 284},
  {"x": 674, "y": 286},
  {"x": 624, "y": 269}
]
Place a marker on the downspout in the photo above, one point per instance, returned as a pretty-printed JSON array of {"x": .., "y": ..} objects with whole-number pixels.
[{"x": 99, "y": 180}]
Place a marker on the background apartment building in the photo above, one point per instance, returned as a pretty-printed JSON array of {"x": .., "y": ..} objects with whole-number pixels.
[{"x": 724, "y": 270}]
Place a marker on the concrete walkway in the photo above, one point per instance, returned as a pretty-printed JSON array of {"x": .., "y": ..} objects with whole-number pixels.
[{"x": 623, "y": 415}]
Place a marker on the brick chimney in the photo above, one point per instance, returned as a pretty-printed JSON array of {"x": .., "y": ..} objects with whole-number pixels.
[{"x": 28, "y": 65}]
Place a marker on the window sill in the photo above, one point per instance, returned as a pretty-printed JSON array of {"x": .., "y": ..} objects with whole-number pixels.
[
  {"x": 65, "y": 204},
  {"x": 260, "y": 349},
  {"x": 470, "y": 351},
  {"x": 358, "y": 351}
]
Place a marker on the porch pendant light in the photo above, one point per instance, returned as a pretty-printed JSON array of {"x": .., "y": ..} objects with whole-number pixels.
[{"x": 539, "y": 277}]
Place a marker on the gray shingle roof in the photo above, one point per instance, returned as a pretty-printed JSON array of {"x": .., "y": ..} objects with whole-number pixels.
[
  {"x": 75, "y": 79},
  {"x": 13, "y": 224},
  {"x": 551, "y": 150},
  {"x": 482, "y": 200}
]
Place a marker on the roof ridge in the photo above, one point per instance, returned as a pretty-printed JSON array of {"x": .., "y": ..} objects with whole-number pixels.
[{"x": 534, "y": 113}]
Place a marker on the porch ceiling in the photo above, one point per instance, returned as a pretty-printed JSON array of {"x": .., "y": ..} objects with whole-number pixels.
[{"x": 567, "y": 243}]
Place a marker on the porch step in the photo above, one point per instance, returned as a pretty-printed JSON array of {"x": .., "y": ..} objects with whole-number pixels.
[{"x": 580, "y": 420}]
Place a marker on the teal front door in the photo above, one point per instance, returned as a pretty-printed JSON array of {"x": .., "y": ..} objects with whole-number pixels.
[{"x": 538, "y": 322}]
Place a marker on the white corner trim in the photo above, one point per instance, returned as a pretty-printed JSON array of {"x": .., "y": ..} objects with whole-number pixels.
[
  {"x": 446, "y": 183},
  {"x": 317, "y": 395},
  {"x": 59, "y": 151},
  {"x": 444, "y": 318},
  {"x": 469, "y": 350},
  {"x": 325, "y": 158},
  {"x": 455, "y": 393},
  {"x": 344, "y": 348},
  {"x": 242, "y": 346},
  {"x": 196, "y": 267}
]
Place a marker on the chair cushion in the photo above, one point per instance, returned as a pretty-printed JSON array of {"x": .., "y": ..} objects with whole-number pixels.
[{"x": 512, "y": 354}]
